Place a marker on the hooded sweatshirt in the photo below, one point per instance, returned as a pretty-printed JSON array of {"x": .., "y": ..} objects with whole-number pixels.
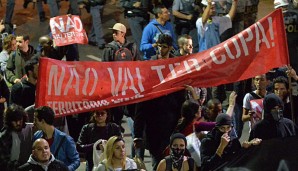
[
  {"x": 51, "y": 165},
  {"x": 269, "y": 128}
]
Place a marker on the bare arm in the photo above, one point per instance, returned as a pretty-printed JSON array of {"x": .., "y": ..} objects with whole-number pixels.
[
  {"x": 182, "y": 16},
  {"x": 232, "y": 101},
  {"x": 232, "y": 11},
  {"x": 206, "y": 13},
  {"x": 245, "y": 115}
]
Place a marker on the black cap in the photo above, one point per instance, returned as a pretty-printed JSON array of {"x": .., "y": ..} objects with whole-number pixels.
[{"x": 223, "y": 119}]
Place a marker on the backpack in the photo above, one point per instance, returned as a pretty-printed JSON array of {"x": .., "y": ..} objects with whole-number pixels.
[
  {"x": 123, "y": 53},
  {"x": 169, "y": 163}
]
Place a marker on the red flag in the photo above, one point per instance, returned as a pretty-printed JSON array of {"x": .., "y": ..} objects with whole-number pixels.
[
  {"x": 68, "y": 29},
  {"x": 75, "y": 87}
]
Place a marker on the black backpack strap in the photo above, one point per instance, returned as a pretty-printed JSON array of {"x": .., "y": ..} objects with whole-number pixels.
[
  {"x": 255, "y": 95},
  {"x": 190, "y": 163},
  {"x": 59, "y": 146},
  {"x": 168, "y": 163}
]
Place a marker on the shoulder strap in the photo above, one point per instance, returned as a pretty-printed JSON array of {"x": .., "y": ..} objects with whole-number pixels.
[
  {"x": 190, "y": 163},
  {"x": 168, "y": 163},
  {"x": 158, "y": 28},
  {"x": 59, "y": 145},
  {"x": 255, "y": 95}
]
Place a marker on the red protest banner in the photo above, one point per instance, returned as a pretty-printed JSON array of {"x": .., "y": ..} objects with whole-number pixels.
[
  {"x": 75, "y": 87},
  {"x": 68, "y": 29}
]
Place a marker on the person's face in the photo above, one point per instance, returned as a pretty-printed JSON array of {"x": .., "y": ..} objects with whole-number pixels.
[
  {"x": 37, "y": 122},
  {"x": 42, "y": 152},
  {"x": 225, "y": 128},
  {"x": 280, "y": 90},
  {"x": 100, "y": 116},
  {"x": 178, "y": 143},
  {"x": 164, "y": 50},
  {"x": 187, "y": 47},
  {"x": 21, "y": 44},
  {"x": 214, "y": 110},
  {"x": 212, "y": 11},
  {"x": 165, "y": 14},
  {"x": 118, "y": 36},
  {"x": 13, "y": 45},
  {"x": 260, "y": 82},
  {"x": 17, "y": 125},
  {"x": 119, "y": 150}
]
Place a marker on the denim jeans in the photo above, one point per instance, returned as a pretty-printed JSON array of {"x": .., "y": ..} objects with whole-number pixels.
[
  {"x": 9, "y": 11},
  {"x": 96, "y": 33}
]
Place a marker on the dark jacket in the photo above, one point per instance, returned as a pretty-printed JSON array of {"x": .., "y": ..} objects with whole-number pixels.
[
  {"x": 23, "y": 93},
  {"x": 269, "y": 128},
  {"x": 158, "y": 118},
  {"x": 53, "y": 165},
  {"x": 16, "y": 62},
  {"x": 209, "y": 145},
  {"x": 5, "y": 148},
  {"x": 89, "y": 136},
  {"x": 4, "y": 92},
  {"x": 109, "y": 52}
]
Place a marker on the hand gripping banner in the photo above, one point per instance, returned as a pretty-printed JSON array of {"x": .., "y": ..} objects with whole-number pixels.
[{"x": 76, "y": 87}]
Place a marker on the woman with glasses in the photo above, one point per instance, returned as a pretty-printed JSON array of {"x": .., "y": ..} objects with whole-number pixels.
[
  {"x": 115, "y": 157},
  {"x": 98, "y": 128}
]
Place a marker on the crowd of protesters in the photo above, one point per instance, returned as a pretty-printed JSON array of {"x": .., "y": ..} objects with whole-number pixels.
[{"x": 197, "y": 128}]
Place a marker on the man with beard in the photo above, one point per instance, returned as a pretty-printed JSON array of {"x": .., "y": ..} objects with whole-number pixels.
[
  {"x": 221, "y": 144},
  {"x": 274, "y": 125},
  {"x": 42, "y": 159},
  {"x": 15, "y": 64},
  {"x": 23, "y": 93},
  {"x": 14, "y": 139}
]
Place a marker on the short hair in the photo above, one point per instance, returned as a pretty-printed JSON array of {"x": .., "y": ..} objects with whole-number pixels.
[
  {"x": 213, "y": 101},
  {"x": 25, "y": 37},
  {"x": 281, "y": 79},
  {"x": 7, "y": 41},
  {"x": 158, "y": 9},
  {"x": 14, "y": 112},
  {"x": 29, "y": 65},
  {"x": 165, "y": 39},
  {"x": 46, "y": 113},
  {"x": 183, "y": 40}
]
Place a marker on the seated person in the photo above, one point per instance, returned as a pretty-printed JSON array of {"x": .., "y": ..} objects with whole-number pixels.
[
  {"x": 42, "y": 159},
  {"x": 273, "y": 125},
  {"x": 115, "y": 156},
  {"x": 177, "y": 161}
]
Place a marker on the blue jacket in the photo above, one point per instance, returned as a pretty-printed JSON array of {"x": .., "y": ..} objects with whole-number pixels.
[
  {"x": 150, "y": 36},
  {"x": 67, "y": 153}
]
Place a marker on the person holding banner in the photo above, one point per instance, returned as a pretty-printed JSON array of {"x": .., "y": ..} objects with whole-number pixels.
[
  {"x": 62, "y": 145},
  {"x": 98, "y": 128},
  {"x": 274, "y": 125}
]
